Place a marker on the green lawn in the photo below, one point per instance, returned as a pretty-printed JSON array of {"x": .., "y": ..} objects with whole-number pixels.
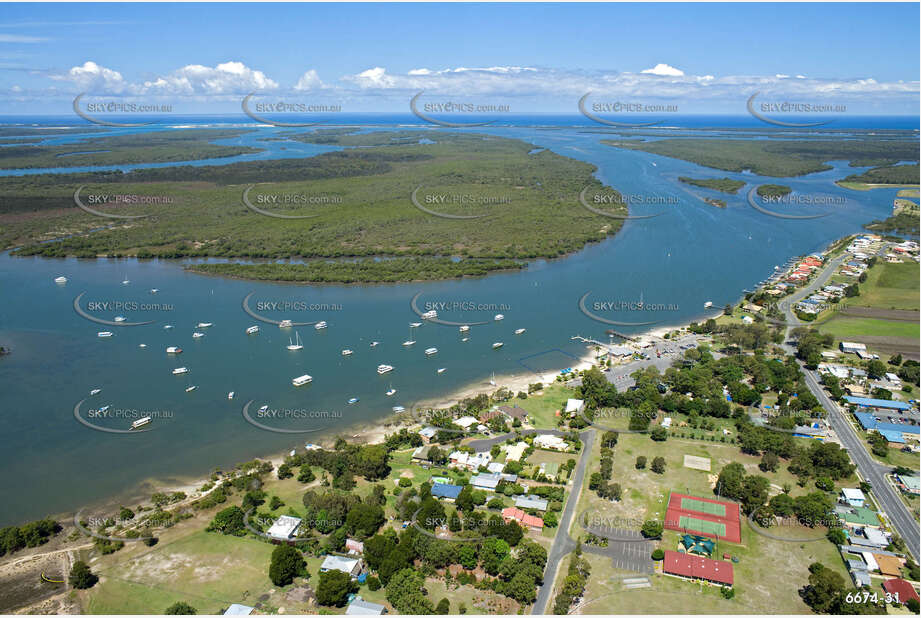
[
  {"x": 543, "y": 408},
  {"x": 890, "y": 286},
  {"x": 842, "y": 327}
]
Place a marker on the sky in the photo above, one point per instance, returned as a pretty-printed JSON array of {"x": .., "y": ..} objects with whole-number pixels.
[{"x": 699, "y": 58}]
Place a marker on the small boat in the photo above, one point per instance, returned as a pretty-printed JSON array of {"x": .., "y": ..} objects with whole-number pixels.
[
  {"x": 104, "y": 408},
  {"x": 499, "y": 317},
  {"x": 263, "y": 409},
  {"x": 398, "y": 408},
  {"x": 126, "y": 281},
  {"x": 497, "y": 345},
  {"x": 205, "y": 325},
  {"x": 142, "y": 345},
  {"x": 353, "y": 400},
  {"x": 320, "y": 325},
  {"x": 230, "y": 395},
  {"x": 430, "y": 315},
  {"x": 519, "y": 331},
  {"x": 431, "y": 351},
  {"x": 441, "y": 370},
  {"x": 296, "y": 345},
  {"x": 120, "y": 318},
  {"x": 252, "y": 330},
  {"x": 415, "y": 324},
  {"x": 140, "y": 422},
  {"x": 189, "y": 389},
  {"x": 104, "y": 333},
  {"x": 180, "y": 370},
  {"x": 197, "y": 335},
  {"x": 285, "y": 324},
  {"x": 374, "y": 344},
  {"x": 492, "y": 380},
  {"x": 154, "y": 290},
  {"x": 167, "y": 326},
  {"x": 60, "y": 279},
  {"x": 409, "y": 342},
  {"x": 95, "y": 391},
  {"x": 708, "y": 304},
  {"x": 173, "y": 349},
  {"x": 464, "y": 328},
  {"x": 302, "y": 380},
  {"x": 347, "y": 352},
  {"x": 382, "y": 369},
  {"x": 465, "y": 339},
  {"x": 391, "y": 392}
]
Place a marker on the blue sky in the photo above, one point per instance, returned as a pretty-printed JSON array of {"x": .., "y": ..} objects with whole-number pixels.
[{"x": 535, "y": 57}]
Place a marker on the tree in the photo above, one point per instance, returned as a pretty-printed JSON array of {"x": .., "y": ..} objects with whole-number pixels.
[
  {"x": 876, "y": 369},
  {"x": 306, "y": 474},
  {"x": 823, "y": 589},
  {"x": 658, "y": 465},
  {"x": 286, "y": 564},
  {"x": 641, "y": 462},
  {"x": 652, "y": 529},
  {"x": 334, "y": 587},
  {"x": 81, "y": 577},
  {"x": 837, "y": 536},
  {"x": 659, "y": 434},
  {"x": 180, "y": 608},
  {"x": 374, "y": 583},
  {"x": 769, "y": 462},
  {"x": 228, "y": 521},
  {"x": 405, "y": 593}
]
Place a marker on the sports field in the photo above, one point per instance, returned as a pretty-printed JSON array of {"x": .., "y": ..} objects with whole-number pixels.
[
  {"x": 694, "y": 514},
  {"x": 686, "y": 522}
]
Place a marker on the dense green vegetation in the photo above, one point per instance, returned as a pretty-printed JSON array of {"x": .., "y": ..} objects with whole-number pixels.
[
  {"x": 773, "y": 190},
  {"x": 32, "y": 534},
  {"x": 153, "y": 147},
  {"x": 888, "y": 175},
  {"x": 363, "y": 210},
  {"x": 775, "y": 157},
  {"x": 726, "y": 185},
  {"x": 361, "y": 271}
]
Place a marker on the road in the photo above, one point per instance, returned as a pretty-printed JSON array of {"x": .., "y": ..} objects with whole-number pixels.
[
  {"x": 562, "y": 542},
  {"x": 873, "y": 472}
]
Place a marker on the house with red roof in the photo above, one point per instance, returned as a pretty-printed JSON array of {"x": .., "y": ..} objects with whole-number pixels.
[
  {"x": 698, "y": 568},
  {"x": 528, "y": 521},
  {"x": 902, "y": 588}
]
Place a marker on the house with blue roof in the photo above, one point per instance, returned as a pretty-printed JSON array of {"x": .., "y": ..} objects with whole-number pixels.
[
  {"x": 446, "y": 492},
  {"x": 897, "y": 433},
  {"x": 882, "y": 404}
]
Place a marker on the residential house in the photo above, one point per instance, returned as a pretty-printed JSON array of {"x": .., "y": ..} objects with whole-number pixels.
[
  {"x": 284, "y": 528},
  {"x": 352, "y": 566},
  {"x": 531, "y": 522}
]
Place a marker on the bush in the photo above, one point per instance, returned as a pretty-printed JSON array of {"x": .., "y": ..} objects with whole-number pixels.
[
  {"x": 374, "y": 583},
  {"x": 405, "y": 482},
  {"x": 287, "y": 563},
  {"x": 180, "y": 608},
  {"x": 658, "y": 554},
  {"x": 81, "y": 577},
  {"x": 641, "y": 462}
]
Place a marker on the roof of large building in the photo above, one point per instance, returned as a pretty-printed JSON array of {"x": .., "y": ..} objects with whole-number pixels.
[
  {"x": 486, "y": 480},
  {"x": 284, "y": 527},
  {"x": 868, "y": 422},
  {"x": 888, "y": 565},
  {"x": 531, "y": 521},
  {"x": 852, "y": 493},
  {"x": 877, "y": 403},
  {"x": 688, "y": 565},
  {"x": 238, "y": 610},
  {"x": 443, "y": 490},
  {"x": 362, "y": 607},
  {"x": 526, "y": 502},
  {"x": 514, "y": 412},
  {"x": 892, "y": 436},
  {"x": 860, "y": 516},
  {"x": 902, "y": 588},
  {"x": 910, "y": 481},
  {"x": 338, "y": 563}
]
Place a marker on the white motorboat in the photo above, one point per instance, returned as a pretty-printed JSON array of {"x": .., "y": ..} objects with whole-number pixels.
[
  {"x": 154, "y": 290},
  {"x": 263, "y": 409},
  {"x": 398, "y": 408},
  {"x": 189, "y": 389},
  {"x": 95, "y": 391},
  {"x": 430, "y": 315},
  {"x": 62, "y": 279},
  {"x": 252, "y": 330},
  {"x": 353, "y": 400},
  {"x": 141, "y": 422},
  {"x": 409, "y": 342},
  {"x": 497, "y": 345},
  {"x": 104, "y": 333},
  {"x": 519, "y": 331},
  {"x": 415, "y": 324},
  {"x": 374, "y": 344},
  {"x": 347, "y": 352},
  {"x": 499, "y": 317},
  {"x": 465, "y": 339},
  {"x": 142, "y": 345},
  {"x": 285, "y": 324},
  {"x": 382, "y": 369},
  {"x": 174, "y": 350},
  {"x": 230, "y": 395},
  {"x": 296, "y": 344},
  {"x": 464, "y": 328},
  {"x": 205, "y": 325},
  {"x": 441, "y": 370},
  {"x": 708, "y": 304},
  {"x": 120, "y": 318},
  {"x": 197, "y": 335},
  {"x": 302, "y": 380},
  {"x": 180, "y": 370},
  {"x": 320, "y": 325},
  {"x": 431, "y": 351},
  {"x": 167, "y": 326},
  {"x": 391, "y": 392}
]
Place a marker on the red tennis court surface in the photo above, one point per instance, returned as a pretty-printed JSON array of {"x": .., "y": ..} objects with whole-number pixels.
[{"x": 717, "y": 519}]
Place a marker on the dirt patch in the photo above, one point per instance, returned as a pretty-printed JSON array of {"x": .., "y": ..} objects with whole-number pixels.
[
  {"x": 889, "y": 346},
  {"x": 23, "y": 585},
  {"x": 900, "y": 315}
]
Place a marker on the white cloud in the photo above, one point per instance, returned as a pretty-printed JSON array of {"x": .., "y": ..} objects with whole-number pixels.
[
  {"x": 664, "y": 70},
  {"x": 21, "y": 38},
  {"x": 310, "y": 80},
  {"x": 91, "y": 76},
  {"x": 225, "y": 78}
]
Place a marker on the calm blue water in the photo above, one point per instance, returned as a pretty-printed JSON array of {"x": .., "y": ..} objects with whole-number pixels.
[{"x": 691, "y": 254}]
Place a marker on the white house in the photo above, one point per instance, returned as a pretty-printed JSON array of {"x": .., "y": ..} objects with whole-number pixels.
[
  {"x": 849, "y": 347},
  {"x": 466, "y": 422},
  {"x": 284, "y": 528},
  {"x": 515, "y": 451},
  {"x": 549, "y": 441},
  {"x": 574, "y": 406},
  {"x": 852, "y": 496},
  {"x": 352, "y": 566}
]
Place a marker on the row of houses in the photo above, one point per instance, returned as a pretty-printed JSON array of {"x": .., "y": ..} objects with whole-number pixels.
[{"x": 819, "y": 301}]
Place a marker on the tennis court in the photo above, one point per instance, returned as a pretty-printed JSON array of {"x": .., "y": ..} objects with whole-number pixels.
[
  {"x": 710, "y": 508},
  {"x": 686, "y": 522}
]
